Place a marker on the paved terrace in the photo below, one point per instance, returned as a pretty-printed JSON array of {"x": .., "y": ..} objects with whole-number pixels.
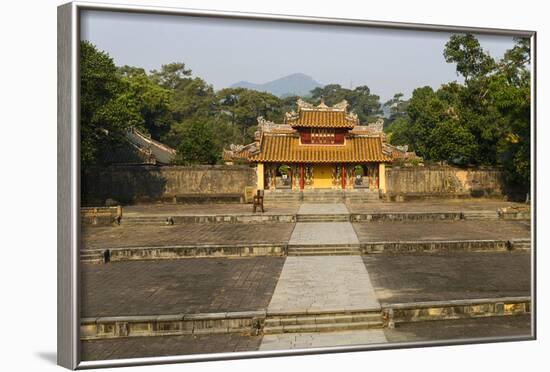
[
  {"x": 451, "y": 276},
  {"x": 208, "y": 285},
  {"x": 442, "y": 230},
  {"x": 435, "y": 206},
  {"x": 182, "y": 234},
  {"x": 304, "y": 233},
  {"x": 206, "y": 209},
  {"x": 445, "y": 205}
]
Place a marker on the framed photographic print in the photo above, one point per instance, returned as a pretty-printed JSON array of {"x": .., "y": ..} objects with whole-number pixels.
[{"x": 233, "y": 185}]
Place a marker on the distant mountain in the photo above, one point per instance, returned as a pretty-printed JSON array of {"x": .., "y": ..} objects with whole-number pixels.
[{"x": 294, "y": 84}]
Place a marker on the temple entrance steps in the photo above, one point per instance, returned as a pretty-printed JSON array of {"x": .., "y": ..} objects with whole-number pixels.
[
  {"x": 282, "y": 196},
  {"x": 322, "y": 218},
  {"x": 323, "y": 321},
  {"x": 323, "y": 196},
  {"x": 480, "y": 215},
  {"x": 324, "y": 250}
]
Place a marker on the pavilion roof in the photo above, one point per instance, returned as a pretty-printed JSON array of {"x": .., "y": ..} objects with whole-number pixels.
[{"x": 288, "y": 149}]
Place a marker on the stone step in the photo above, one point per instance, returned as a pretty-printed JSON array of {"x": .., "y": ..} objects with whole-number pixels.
[
  {"x": 91, "y": 256},
  {"x": 323, "y": 218},
  {"x": 322, "y": 322},
  {"x": 480, "y": 215},
  {"x": 521, "y": 244},
  {"x": 325, "y": 253},
  {"x": 326, "y": 250}
]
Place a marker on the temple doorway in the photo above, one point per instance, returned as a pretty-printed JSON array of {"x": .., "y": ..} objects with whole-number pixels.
[{"x": 322, "y": 176}]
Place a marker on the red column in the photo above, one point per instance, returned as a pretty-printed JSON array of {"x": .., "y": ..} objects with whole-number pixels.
[
  {"x": 343, "y": 176},
  {"x": 302, "y": 179}
]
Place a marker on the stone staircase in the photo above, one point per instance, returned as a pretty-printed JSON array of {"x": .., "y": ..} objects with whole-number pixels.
[
  {"x": 324, "y": 250},
  {"x": 146, "y": 220},
  {"x": 322, "y": 218},
  {"x": 282, "y": 196},
  {"x": 323, "y": 322},
  {"x": 323, "y": 196},
  {"x": 480, "y": 215},
  {"x": 521, "y": 244},
  {"x": 92, "y": 256}
]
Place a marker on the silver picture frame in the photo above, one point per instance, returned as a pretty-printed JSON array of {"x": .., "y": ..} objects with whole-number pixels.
[{"x": 68, "y": 179}]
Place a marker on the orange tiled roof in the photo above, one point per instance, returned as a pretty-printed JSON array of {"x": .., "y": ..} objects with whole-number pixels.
[
  {"x": 287, "y": 149},
  {"x": 322, "y": 119}
]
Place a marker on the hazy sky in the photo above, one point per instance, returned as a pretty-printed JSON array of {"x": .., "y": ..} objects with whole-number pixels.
[{"x": 223, "y": 51}]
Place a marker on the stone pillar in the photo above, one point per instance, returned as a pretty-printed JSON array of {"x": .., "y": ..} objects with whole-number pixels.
[
  {"x": 260, "y": 176},
  {"x": 382, "y": 177}
]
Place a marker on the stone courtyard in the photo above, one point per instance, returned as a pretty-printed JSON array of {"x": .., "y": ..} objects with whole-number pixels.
[{"x": 306, "y": 276}]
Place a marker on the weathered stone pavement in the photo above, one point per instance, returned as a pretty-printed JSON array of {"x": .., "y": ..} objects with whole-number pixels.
[
  {"x": 193, "y": 233},
  {"x": 323, "y": 233},
  {"x": 142, "y": 347},
  {"x": 323, "y": 283},
  {"x": 206, "y": 209},
  {"x": 442, "y": 230},
  {"x": 323, "y": 208},
  {"x": 408, "y": 278},
  {"x": 208, "y": 285},
  {"x": 324, "y": 339}
]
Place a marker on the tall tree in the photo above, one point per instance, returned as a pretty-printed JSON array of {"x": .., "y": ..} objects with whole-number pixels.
[
  {"x": 104, "y": 114},
  {"x": 151, "y": 102}
]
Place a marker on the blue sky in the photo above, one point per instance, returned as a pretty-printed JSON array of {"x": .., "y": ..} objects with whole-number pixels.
[{"x": 224, "y": 51}]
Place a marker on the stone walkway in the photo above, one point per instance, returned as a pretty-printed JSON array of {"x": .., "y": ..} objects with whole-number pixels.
[
  {"x": 323, "y": 233},
  {"x": 323, "y": 283},
  {"x": 328, "y": 339},
  {"x": 319, "y": 208}
]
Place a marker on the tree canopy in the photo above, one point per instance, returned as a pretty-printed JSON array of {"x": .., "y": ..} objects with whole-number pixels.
[{"x": 483, "y": 121}]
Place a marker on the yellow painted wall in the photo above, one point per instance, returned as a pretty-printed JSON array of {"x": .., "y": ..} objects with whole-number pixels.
[{"x": 260, "y": 176}]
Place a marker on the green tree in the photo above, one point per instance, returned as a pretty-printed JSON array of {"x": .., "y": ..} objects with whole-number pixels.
[
  {"x": 241, "y": 107},
  {"x": 151, "y": 102},
  {"x": 471, "y": 60},
  {"x": 397, "y": 107},
  {"x": 104, "y": 114},
  {"x": 197, "y": 145}
]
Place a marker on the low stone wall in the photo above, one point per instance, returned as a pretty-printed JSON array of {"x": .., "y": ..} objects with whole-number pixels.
[
  {"x": 247, "y": 322},
  {"x": 101, "y": 216},
  {"x": 134, "y": 184},
  {"x": 406, "y": 183},
  {"x": 458, "y": 309}
]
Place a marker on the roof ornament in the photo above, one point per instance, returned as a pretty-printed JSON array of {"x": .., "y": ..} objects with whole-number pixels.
[
  {"x": 303, "y": 104},
  {"x": 322, "y": 105},
  {"x": 377, "y": 126},
  {"x": 342, "y": 105}
]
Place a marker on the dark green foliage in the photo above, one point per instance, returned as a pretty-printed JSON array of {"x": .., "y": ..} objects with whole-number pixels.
[
  {"x": 197, "y": 145},
  {"x": 485, "y": 121},
  {"x": 361, "y": 101},
  {"x": 104, "y": 114}
]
